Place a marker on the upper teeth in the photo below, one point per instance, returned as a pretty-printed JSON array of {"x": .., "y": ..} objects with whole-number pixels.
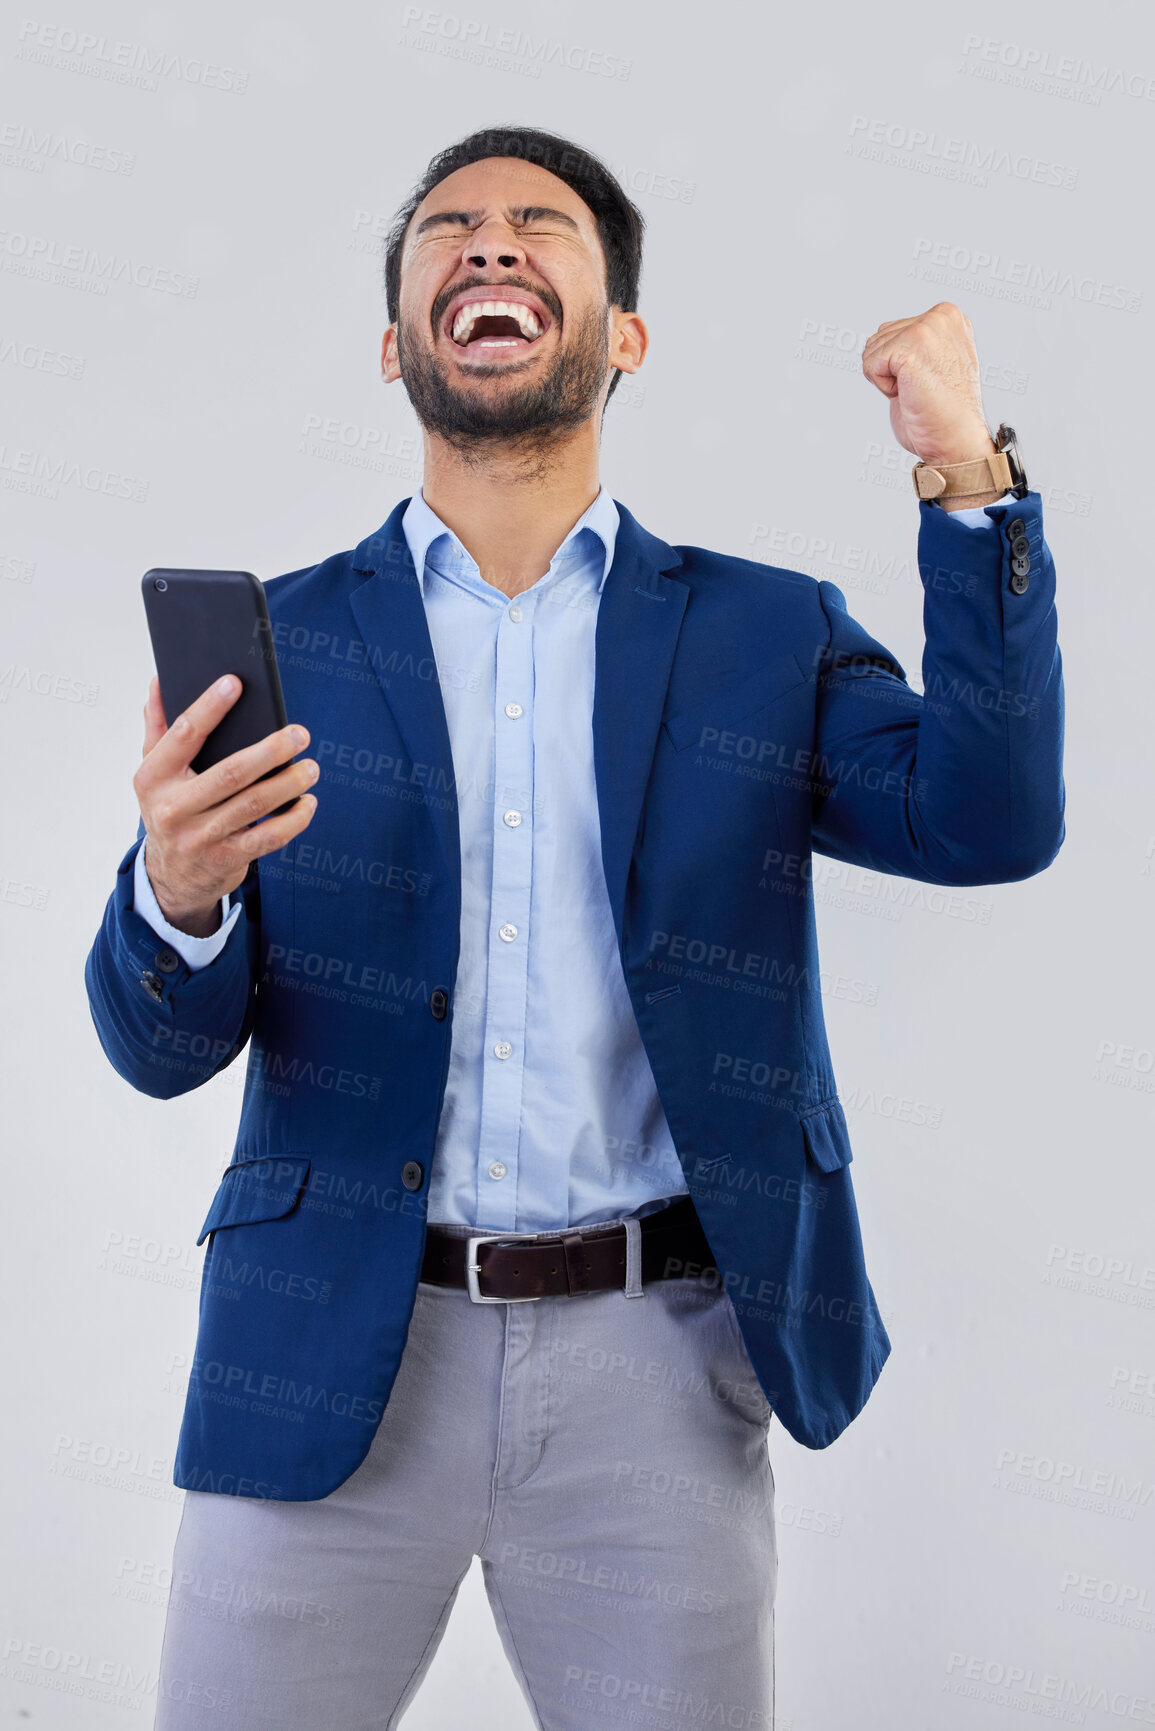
[{"x": 469, "y": 314}]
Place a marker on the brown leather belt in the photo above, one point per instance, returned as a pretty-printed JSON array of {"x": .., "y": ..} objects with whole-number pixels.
[{"x": 497, "y": 1268}]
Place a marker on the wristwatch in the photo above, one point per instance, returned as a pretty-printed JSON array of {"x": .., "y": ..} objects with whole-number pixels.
[{"x": 1000, "y": 469}]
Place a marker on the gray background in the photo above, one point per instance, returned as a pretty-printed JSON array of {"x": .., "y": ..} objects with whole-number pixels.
[{"x": 991, "y": 1512}]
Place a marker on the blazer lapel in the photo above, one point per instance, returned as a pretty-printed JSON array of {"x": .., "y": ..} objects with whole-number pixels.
[
  {"x": 390, "y": 615},
  {"x": 639, "y": 619}
]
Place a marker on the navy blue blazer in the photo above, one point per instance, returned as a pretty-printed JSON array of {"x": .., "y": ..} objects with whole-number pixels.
[{"x": 741, "y": 719}]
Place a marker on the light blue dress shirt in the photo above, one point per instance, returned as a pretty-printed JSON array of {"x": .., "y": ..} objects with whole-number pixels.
[{"x": 551, "y": 1116}]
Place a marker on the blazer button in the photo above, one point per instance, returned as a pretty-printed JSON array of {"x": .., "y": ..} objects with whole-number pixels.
[
  {"x": 412, "y": 1174},
  {"x": 167, "y": 961},
  {"x": 153, "y": 985},
  {"x": 1020, "y": 546},
  {"x": 439, "y": 1003},
  {"x": 1018, "y": 527},
  {"x": 1019, "y": 582},
  {"x": 1021, "y": 566}
]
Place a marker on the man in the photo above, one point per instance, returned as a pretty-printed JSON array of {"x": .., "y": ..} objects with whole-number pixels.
[{"x": 540, "y": 1204}]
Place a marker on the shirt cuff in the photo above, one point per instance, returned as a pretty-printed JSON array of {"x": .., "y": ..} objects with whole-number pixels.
[
  {"x": 975, "y": 516},
  {"x": 194, "y": 952}
]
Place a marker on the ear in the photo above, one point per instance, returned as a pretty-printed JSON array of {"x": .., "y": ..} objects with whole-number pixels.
[
  {"x": 629, "y": 341},
  {"x": 390, "y": 366}
]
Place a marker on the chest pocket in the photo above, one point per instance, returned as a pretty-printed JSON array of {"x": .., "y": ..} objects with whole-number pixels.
[{"x": 727, "y": 707}]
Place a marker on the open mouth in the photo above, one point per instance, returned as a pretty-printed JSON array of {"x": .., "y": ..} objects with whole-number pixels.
[{"x": 495, "y": 327}]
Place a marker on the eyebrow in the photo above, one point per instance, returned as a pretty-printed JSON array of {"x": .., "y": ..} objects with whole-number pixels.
[{"x": 518, "y": 214}]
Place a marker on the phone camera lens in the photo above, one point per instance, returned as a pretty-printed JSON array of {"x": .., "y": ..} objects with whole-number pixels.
[{"x": 159, "y": 583}]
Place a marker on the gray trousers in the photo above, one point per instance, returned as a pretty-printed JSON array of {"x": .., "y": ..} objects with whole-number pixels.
[{"x": 606, "y": 1458}]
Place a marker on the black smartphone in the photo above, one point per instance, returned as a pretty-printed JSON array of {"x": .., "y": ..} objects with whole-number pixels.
[{"x": 204, "y": 624}]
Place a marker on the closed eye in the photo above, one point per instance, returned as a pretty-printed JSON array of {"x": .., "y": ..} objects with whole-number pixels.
[{"x": 455, "y": 234}]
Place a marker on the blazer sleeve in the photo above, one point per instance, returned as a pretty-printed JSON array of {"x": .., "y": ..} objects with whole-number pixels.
[
  {"x": 964, "y": 784},
  {"x": 166, "y": 1027}
]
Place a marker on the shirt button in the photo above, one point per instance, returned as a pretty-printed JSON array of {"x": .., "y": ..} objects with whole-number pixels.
[
  {"x": 513, "y": 710},
  {"x": 503, "y": 1049},
  {"x": 515, "y": 614},
  {"x": 508, "y": 933},
  {"x": 512, "y": 818},
  {"x": 497, "y": 1169}
]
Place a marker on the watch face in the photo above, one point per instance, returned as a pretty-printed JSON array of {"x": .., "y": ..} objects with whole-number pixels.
[{"x": 1007, "y": 441}]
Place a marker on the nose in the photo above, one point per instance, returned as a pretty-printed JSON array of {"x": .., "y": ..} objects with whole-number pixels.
[{"x": 494, "y": 242}]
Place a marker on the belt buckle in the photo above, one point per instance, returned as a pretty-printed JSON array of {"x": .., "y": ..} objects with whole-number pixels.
[{"x": 471, "y": 1268}]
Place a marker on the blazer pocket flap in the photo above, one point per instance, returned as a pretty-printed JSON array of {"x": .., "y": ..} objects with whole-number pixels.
[
  {"x": 826, "y": 1135},
  {"x": 732, "y": 704},
  {"x": 262, "y": 1188}
]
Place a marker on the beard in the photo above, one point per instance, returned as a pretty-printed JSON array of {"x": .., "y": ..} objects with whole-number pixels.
[{"x": 530, "y": 416}]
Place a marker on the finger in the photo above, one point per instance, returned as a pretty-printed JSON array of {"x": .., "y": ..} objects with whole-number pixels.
[
  {"x": 233, "y": 774},
  {"x": 175, "y": 750},
  {"x": 154, "y": 722},
  {"x": 276, "y": 832},
  {"x": 877, "y": 367},
  {"x": 892, "y": 325},
  {"x": 885, "y": 356},
  {"x": 230, "y": 820}
]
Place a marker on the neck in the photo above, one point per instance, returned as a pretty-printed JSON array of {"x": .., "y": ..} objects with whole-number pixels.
[{"x": 512, "y": 507}]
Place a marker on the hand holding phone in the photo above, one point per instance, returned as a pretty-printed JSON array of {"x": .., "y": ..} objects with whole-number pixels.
[{"x": 200, "y": 843}]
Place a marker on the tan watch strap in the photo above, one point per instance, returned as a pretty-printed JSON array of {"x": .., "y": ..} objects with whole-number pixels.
[{"x": 975, "y": 479}]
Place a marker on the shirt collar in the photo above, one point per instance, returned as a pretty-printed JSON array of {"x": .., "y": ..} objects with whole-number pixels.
[{"x": 423, "y": 527}]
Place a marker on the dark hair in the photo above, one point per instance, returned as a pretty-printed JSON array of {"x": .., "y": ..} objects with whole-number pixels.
[{"x": 620, "y": 222}]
